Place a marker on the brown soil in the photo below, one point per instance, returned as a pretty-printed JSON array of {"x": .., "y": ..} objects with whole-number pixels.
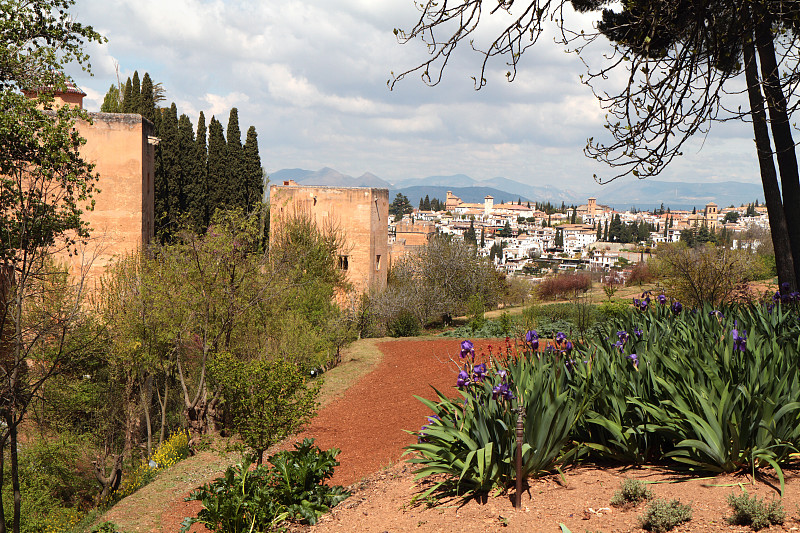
[{"x": 367, "y": 424}]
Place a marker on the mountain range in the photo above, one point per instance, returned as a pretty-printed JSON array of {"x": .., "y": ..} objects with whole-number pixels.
[{"x": 621, "y": 194}]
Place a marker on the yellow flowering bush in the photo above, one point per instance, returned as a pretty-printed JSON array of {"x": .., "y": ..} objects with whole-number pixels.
[
  {"x": 169, "y": 452},
  {"x": 61, "y": 521}
]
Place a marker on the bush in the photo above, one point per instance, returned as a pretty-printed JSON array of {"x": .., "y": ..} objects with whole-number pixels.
[
  {"x": 563, "y": 286},
  {"x": 641, "y": 273},
  {"x": 706, "y": 274},
  {"x": 261, "y": 498},
  {"x": 614, "y": 310},
  {"x": 663, "y": 515},
  {"x": 632, "y": 492},
  {"x": 755, "y": 512},
  {"x": 405, "y": 325}
]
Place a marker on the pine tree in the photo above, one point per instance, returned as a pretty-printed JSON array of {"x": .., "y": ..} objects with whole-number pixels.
[
  {"x": 216, "y": 167},
  {"x": 147, "y": 103},
  {"x": 426, "y": 205},
  {"x": 127, "y": 97},
  {"x": 235, "y": 169},
  {"x": 136, "y": 94},
  {"x": 254, "y": 174}
]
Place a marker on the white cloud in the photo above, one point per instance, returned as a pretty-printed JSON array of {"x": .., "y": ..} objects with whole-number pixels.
[{"x": 311, "y": 76}]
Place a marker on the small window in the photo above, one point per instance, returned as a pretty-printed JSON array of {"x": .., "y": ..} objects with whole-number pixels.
[
  {"x": 377, "y": 262},
  {"x": 343, "y": 262}
]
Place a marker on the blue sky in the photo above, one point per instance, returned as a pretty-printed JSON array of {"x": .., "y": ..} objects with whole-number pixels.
[{"x": 311, "y": 77}]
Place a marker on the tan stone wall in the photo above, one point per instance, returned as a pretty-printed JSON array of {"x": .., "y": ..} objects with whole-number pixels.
[
  {"x": 359, "y": 212},
  {"x": 122, "y": 219}
]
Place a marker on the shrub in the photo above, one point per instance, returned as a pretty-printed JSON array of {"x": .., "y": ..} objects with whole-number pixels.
[
  {"x": 662, "y": 515},
  {"x": 632, "y": 492},
  {"x": 612, "y": 309},
  {"x": 563, "y": 286},
  {"x": 405, "y": 325},
  {"x": 707, "y": 274},
  {"x": 475, "y": 312},
  {"x": 261, "y": 498},
  {"x": 755, "y": 512},
  {"x": 641, "y": 273}
]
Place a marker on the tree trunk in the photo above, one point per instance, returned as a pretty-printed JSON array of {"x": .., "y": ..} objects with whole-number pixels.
[
  {"x": 108, "y": 483},
  {"x": 12, "y": 428},
  {"x": 769, "y": 178},
  {"x": 782, "y": 135},
  {"x": 2, "y": 480},
  {"x": 163, "y": 404},
  {"x": 147, "y": 397}
]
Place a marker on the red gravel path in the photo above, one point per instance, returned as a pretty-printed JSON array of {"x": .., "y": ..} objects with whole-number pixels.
[{"x": 367, "y": 422}]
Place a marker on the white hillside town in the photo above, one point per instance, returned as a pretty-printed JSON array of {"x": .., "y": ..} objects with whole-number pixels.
[{"x": 531, "y": 239}]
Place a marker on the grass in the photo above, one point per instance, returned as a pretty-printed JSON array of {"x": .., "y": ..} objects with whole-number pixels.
[{"x": 142, "y": 511}]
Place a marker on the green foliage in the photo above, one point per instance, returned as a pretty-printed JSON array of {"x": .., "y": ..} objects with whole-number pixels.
[
  {"x": 632, "y": 492},
  {"x": 52, "y": 485},
  {"x": 405, "y": 325},
  {"x": 400, "y": 206},
  {"x": 267, "y": 400},
  {"x": 472, "y": 438},
  {"x": 491, "y": 329},
  {"x": 755, "y": 512},
  {"x": 614, "y": 309},
  {"x": 475, "y": 312},
  {"x": 166, "y": 455},
  {"x": 257, "y": 500},
  {"x": 662, "y": 515},
  {"x": 104, "y": 527}
]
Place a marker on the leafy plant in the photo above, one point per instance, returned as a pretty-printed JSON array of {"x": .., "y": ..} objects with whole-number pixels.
[
  {"x": 472, "y": 438},
  {"x": 405, "y": 325},
  {"x": 632, "y": 492},
  {"x": 259, "y": 499},
  {"x": 755, "y": 512},
  {"x": 662, "y": 515}
]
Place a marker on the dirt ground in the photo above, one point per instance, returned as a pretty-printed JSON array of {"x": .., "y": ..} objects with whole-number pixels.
[{"x": 367, "y": 424}]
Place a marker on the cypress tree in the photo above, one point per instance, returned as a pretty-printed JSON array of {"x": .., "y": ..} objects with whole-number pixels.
[
  {"x": 421, "y": 204},
  {"x": 187, "y": 163},
  {"x": 235, "y": 175},
  {"x": 254, "y": 174},
  {"x": 427, "y": 204},
  {"x": 605, "y": 232},
  {"x": 136, "y": 94},
  {"x": 147, "y": 104},
  {"x": 127, "y": 97},
  {"x": 599, "y": 233},
  {"x": 198, "y": 201},
  {"x": 170, "y": 158},
  {"x": 216, "y": 167}
]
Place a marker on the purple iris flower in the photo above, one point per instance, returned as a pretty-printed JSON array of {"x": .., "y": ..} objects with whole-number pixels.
[
  {"x": 785, "y": 287},
  {"x": 561, "y": 336},
  {"x": 568, "y": 347},
  {"x": 634, "y": 359},
  {"x": 717, "y": 314},
  {"x": 643, "y": 304},
  {"x": 776, "y": 296},
  {"x": 638, "y": 333},
  {"x": 463, "y": 379},
  {"x": 623, "y": 336},
  {"x": 619, "y": 344},
  {"x": 479, "y": 371},
  {"x": 739, "y": 340},
  {"x": 532, "y": 338},
  {"x": 677, "y": 307},
  {"x": 467, "y": 348},
  {"x": 662, "y": 299},
  {"x": 503, "y": 392},
  {"x": 503, "y": 374}
]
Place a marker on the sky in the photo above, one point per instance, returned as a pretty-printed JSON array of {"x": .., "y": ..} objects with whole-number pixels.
[{"x": 311, "y": 76}]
